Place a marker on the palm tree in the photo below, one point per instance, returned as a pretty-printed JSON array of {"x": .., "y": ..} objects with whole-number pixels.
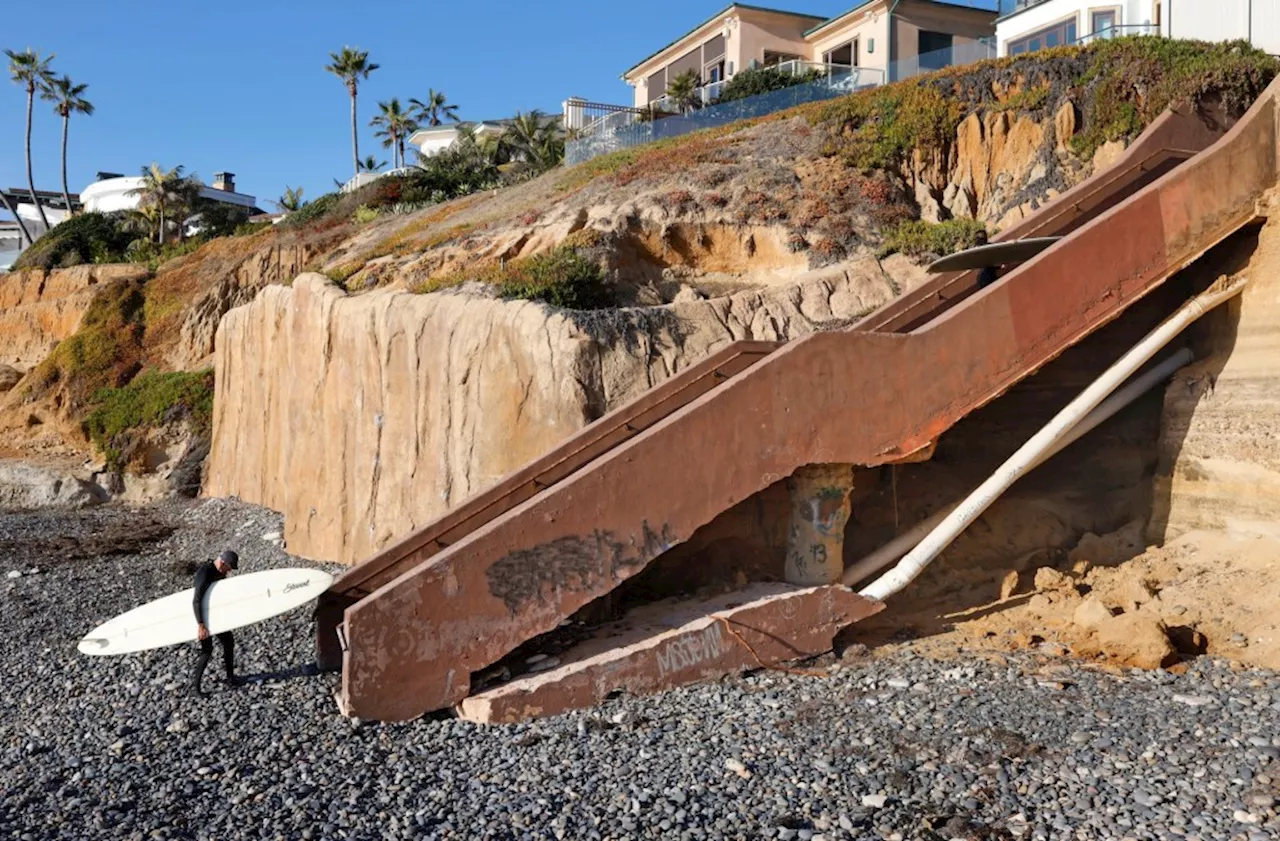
[
  {"x": 28, "y": 69},
  {"x": 291, "y": 200},
  {"x": 167, "y": 198},
  {"x": 370, "y": 164},
  {"x": 352, "y": 66},
  {"x": 67, "y": 98},
  {"x": 396, "y": 126},
  {"x": 683, "y": 91},
  {"x": 435, "y": 109},
  {"x": 536, "y": 140}
]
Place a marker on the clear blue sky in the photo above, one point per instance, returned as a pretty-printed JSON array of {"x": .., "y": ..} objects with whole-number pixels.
[{"x": 239, "y": 86}]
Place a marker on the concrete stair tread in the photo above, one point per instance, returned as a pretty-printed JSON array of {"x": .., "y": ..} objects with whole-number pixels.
[{"x": 679, "y": 641}]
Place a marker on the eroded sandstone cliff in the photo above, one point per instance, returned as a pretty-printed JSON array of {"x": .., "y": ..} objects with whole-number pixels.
[
  {"x": 362, "y": 417},
  {"x": 39, "y": 309}
]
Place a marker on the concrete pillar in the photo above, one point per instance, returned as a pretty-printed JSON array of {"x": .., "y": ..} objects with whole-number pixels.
[{"x": 819, "y": 511}]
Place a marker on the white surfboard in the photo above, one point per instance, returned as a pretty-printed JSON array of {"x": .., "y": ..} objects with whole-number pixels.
[{"x": 234, "y": 602}]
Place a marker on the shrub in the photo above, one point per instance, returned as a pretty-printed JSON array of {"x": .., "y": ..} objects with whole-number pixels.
[
  {"x": 920, "y": 238},
  {"x": 86, "y": 238},
  {"x": 364, "y": 214},
  {"x": 1133, "y": 80},
  {"x": 219, "y": 219},
  {"x": 562, "y": 277},
  {"x": 312, "y": 210},
  {"x": 763, "y": 80},
  {"x": 120, "y": 416},
  {"x": 104, "y": 352}
]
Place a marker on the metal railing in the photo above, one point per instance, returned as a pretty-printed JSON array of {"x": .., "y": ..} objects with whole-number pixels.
[
  {"x": 1128, "y": 30},
  {"x": 665, "y": 118}
]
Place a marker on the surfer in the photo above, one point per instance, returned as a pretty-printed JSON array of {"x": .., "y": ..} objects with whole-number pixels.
[{"x": 207, "y": 574}]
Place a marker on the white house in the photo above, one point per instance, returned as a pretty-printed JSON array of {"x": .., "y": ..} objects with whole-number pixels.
[
  {"x": 1039, "y": 24},
  {"x": 116, "y": 192},
  {"x": 433, "y": 140}
]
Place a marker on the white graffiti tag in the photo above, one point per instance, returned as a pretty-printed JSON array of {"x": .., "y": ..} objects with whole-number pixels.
[{"x": 689, "y": 651}]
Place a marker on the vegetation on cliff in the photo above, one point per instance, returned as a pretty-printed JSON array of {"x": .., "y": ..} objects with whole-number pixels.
[
  {"x": 121, "y": 417},
  {"x": 1122, "y": 85},
  {"x": 810, "y": 187}
]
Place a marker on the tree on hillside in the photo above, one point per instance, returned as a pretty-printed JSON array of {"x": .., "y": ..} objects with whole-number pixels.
[
  {"x": 166, "y": 200},
  {"x": 435, "y": 109},
  {"x": 28, "y": 69},
  {"x": 67, "y": 98},
  {"x": 395, "y": 125},
  {"x": 535, "y": 140},
  {"x": 352, "y": 67},
  {"x": 683, "y": 91},
  {"x": 291, "y": 200},
  {"x": 370, "y": 164}
]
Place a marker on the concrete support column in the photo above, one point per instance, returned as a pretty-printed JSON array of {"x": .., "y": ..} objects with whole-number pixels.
[{"x": 820, "y": 508}]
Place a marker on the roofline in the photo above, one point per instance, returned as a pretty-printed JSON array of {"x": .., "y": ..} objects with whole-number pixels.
[
  {"x": 744, "y": 6},
  {"x": 1017, "y": 12},
  {"x": 865, "y": 3},
  {"x": 830, "y": 21}
]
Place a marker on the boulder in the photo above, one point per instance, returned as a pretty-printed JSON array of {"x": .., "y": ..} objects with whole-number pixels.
[
  {"x": 1137, "y": 640},
  {"x": 25, "y": 487}
]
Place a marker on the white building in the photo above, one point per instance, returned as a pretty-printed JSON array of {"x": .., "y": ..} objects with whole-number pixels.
[
  {"x": 433, "y": 140},
  {"x": 113, "y": 192},
  {"x": 1040, "y": 24}
]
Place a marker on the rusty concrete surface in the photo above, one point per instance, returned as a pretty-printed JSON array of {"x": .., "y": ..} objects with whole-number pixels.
[
  {"x": 674, "y": 643},
  {"x": 597, "y": 438},
  {"x": 855, "y": 397}
]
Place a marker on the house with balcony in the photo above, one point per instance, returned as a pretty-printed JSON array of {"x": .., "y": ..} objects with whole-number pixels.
[
  {"x": 892, "y": 38},
  {"x": 874, "y": 42},
  {"x": 1029, "y": 25}
]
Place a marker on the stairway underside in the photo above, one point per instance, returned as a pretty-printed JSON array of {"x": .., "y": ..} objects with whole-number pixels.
[{"x": 457, "y": 596}]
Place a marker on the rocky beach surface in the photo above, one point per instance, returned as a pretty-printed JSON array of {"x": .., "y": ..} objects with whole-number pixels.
[{"x": 886, "y": 745}]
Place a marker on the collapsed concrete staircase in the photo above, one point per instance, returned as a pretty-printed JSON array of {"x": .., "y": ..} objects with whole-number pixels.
[{"x": 410, "y": 626}]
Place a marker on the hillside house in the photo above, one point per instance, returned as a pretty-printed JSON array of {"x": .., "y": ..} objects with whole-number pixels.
[{"x": 1030, "y": 25}]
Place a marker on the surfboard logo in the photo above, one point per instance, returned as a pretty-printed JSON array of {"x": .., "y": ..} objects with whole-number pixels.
[{"x": 297, "y": 585}]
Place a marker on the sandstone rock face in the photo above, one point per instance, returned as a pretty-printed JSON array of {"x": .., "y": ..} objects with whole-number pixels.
[
  {"x": 1219, "y": 467},
  {"x": 26, "y": 486},
  {"x": 39, "y": 309},
  {"x": 365, "y": 417}
]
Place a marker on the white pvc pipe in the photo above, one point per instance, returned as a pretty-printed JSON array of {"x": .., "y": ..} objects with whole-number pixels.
[
  {"x": 1135, "y": 388},
  {"x": 1027, "y": 455}
]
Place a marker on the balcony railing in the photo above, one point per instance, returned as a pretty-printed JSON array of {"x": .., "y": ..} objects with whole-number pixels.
[
  {"x": 624, "y": 127},
  {"x": 1118, "y": 32}
]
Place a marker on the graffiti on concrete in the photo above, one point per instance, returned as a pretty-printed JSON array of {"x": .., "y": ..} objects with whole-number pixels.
[
  {"x": 655, "y": 543},
  {"x": 828, "y": 512},
  {"x": 690, "y": 650},
  {"x": 574, "y": 563}
]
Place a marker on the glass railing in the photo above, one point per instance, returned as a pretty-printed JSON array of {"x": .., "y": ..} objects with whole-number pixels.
[
  {"x": 1118, "y": 32},
  {"x": 666, "y": 119}
]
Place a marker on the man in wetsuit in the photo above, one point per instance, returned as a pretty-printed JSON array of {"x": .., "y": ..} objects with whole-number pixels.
[{"x": 207, "y": 574}]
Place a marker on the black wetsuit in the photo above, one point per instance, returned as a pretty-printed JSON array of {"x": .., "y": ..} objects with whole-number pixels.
[{"x": 206, "y": 575}]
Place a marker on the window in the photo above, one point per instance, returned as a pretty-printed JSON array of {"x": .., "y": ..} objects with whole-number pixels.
[
  {"x": 772, "y": 59},
  {"x": 1061, "y": 33},
  {"x": 845, "y": 55},
  {"x": 934, "y": 49},
  {"x": 1103, "y": 24}
]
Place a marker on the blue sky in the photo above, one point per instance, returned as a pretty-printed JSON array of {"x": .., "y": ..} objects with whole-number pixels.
[{"x": 239, "y": 86}]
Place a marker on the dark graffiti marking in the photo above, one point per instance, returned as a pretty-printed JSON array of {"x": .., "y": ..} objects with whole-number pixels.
[{"x": 577, "y": 562}]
